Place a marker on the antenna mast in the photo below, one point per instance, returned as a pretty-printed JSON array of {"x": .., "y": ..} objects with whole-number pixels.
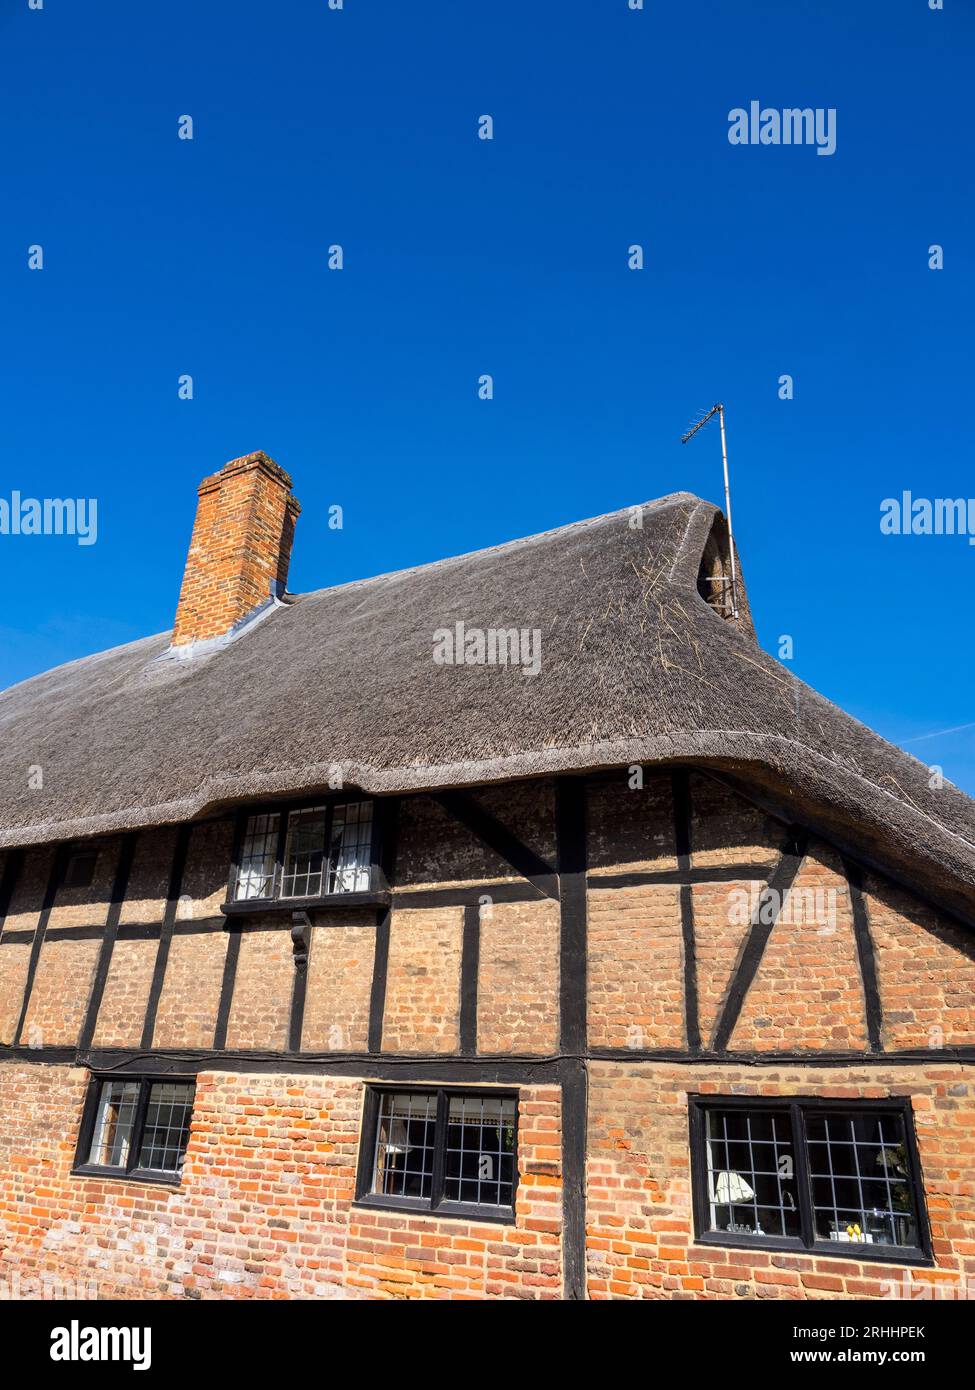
[{"x": 719, "y": 411}]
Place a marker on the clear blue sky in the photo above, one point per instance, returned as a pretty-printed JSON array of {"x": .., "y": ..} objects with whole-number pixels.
[{"x": 464, "y": 257}]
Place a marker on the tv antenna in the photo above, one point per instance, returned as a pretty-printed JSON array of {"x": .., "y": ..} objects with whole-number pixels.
[{"x": 719, "y": 411}]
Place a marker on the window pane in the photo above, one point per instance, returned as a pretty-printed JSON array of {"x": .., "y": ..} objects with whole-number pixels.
[
  {"x": 304, "y": 854},
  {"x": 167, "y": 1127},
  {"x": 404, "y": 1145},
  {"x": 80, "y": 869},
  {"x": 349, "y": 848},
  {"x": 751, "y": 1173},
  {"x": 114, "y": 1119},
  {"x": 255, "y": 872},
  {"x": 861, "y": 1185},
  {"x": 479, "y": 1163}
]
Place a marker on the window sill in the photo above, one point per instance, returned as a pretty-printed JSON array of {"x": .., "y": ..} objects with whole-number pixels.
[
  {"x": 453, "y": 1211},
  {"x": 334, "y": 902},
  {"x": 823, "y": 1249},
  {"x": 140, "y": 1175}
]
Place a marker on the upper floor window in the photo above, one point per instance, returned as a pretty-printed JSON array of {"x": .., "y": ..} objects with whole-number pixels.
[
  {"x": 307, "y": 852},
  {"x": 807, "y": 1174},
  {"x": 135, "y": 1128}
]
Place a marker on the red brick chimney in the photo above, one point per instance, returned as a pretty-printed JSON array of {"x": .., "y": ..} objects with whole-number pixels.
[{"x": 240, "y": 548}]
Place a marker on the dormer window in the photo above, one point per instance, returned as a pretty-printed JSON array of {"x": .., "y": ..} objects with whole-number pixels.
[
  {"x": 715, "y": 576},
  {"x": 305, "y": 853},
  {"x": 714, "y": 580}
]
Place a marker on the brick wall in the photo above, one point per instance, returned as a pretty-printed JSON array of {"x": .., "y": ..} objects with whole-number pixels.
[
  {"x": 808, "y": 992},
  {"x": 190, "y": 997},
  {"x": 423, "y": 981},
  {"x": 925, "y": 968},
  {"x": 60, "y": 995},
  {"x": 640, "y": 1226},
  {"x": 340, "y": 967},
  {"x": 518, "y": 978},
  {"x": 636, "y": 970},
  {"x": 126, "y": 996},
  {"x": 261, "y": 1005},
  {"x": 807, "y": 996},
  {"x": 265, "y": 1208}
]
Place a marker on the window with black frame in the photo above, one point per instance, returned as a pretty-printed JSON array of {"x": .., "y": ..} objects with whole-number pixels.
[
  {"x": 441, "y": 1150},
  {"x": 136, "y": 1127},
  {"x": 805, "y": 1174},
  {"x": 305, "y": 852}
]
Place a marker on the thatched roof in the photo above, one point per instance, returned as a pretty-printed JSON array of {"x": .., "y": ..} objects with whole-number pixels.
[{"x": 636, "y": 667}]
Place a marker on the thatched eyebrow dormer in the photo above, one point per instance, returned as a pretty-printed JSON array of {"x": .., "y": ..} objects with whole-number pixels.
[{"x": 635, "y": 666}]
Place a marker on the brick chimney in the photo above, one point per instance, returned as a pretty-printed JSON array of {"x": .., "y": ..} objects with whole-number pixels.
[{"x": 240, "y": 548}]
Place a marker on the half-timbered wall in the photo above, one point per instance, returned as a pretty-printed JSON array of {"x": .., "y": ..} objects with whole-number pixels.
[{"x": 607, "y": 946}]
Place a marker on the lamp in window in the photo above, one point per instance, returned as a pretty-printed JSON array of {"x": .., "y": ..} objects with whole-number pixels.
[
  {"x": 731, "y": 1188},
  {"x": 398, "y": 1141}
]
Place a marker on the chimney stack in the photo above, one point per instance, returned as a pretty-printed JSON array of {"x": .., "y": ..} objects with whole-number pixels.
[{"x": 240, "y": 548}]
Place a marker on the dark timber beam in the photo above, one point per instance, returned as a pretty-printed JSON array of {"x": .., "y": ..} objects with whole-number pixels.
[
  {"x": 122, "y": 870},
  {"x": 843, "y": 847},
  {"x": 866, "y": 958},
  {"x": 58, "y": 866},
  {"x": 469, "y": 965},
  {"x": 230, "y": 963},
  {"x": 166, "y": 935},
  {"x": 489, "y": 830},
  {"x": 681, "y": 789},
  {"x": 763, "y": 921},
  {"x": 390, "y": 811},
  {"x": 572, "y": 843}
]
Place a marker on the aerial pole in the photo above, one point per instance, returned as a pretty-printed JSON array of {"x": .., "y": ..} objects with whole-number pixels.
[{"x": 719, "y": 411}]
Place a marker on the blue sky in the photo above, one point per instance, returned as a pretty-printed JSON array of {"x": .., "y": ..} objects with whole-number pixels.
[{"x": 508, "y": 257}]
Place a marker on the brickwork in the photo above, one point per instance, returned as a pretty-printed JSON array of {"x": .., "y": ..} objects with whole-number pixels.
[
  {"x": 265, "y": 1207},
  {"x": 148, "y": 884},
  {"x": 726, "y": 829},
  {"x": 339, "y": 986},
  {"x": 630, "y": 828},
  {"x": 808, "y": 992},
  {"x": 636, "y": 967},
  {"x": 423, "y": 981},
  {"x": 641, "y": 1236},
  {"x": 59, "y": 998},
  {"x": 719, "y": 938},
  {"x": 433, "y": 850},
  {"x": 266, "y": 1210},
  {"x": 88, "y": 907},
  {"x": 24, "y": 911},
  {"x": 126, "y": 996},
  {"x": 394, "y": 1255},
  {"x": 261, "y": 1005},
  {"x": 926, "y": 971},
  {"x": 518, "y": 978},
  {"x": 14, "y": 964},
  {"x": 241, "y": 541},
  {"x": 187, "y": 1012},
  {"x": 206, "y": 872}
]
